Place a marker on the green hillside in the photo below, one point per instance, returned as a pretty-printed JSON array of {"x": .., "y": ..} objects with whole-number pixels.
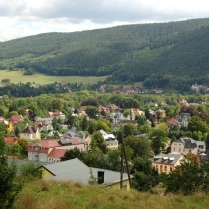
[
  {"x": 165, "y": 55},
  {"x": 64, "y": 195}
]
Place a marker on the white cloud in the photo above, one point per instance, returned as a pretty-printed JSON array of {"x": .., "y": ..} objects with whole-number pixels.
[{"x": 19, "y": 18}]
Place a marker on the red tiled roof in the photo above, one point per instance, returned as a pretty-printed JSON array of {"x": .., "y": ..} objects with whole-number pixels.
[
  {"x": 45, "y": 145},
  {"x": 10, "y": 140},
  {"x": 76, "y": 141},
  {"x": 57, "y": 153},
  {"x": 172, "y": 121},
  {"x": 16, "y": 118}
]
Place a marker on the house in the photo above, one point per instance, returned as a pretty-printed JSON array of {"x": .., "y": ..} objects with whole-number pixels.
[
  {"x": 51, "y": 150},
  {"x": 43, "y": 125},
  {"x": 87, "y": 141},
  {"x": 11, "y": 140},
  {"x": 30, "y": 133},
  {"x": 3, "y": 120},
  {"x": 183, "y": 119},
  {"x": 185, "y": 145},
  {"x": 76, "y": 171},
  {"x": 184, "y": 102},
  {"x": 166, "y": 163},
  {"x": 172, "y": 122},
  {"x": 136, "y": 111},
  {"x": 15, "y": 119},
  {"x": 56, "y": 154},
  {"x": 44, "y": 120},
  {"x": 110, "y": 140},
  {"x": 105, "y": 109},
  {"x": 116, "y": 117},
  {"x": 41, "y": 150},
  {"x": 71, "y": 143},
  {"x": 57, "y": 114},
  {"x": 82, "y": 110}
]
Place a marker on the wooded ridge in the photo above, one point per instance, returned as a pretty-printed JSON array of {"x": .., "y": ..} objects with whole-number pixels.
[{"x": 170, "y": 55}]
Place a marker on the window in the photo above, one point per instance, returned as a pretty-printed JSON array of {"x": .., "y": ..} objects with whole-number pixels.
[
  {"x": 165, "y": 168},
  {"x": 161, "y": 168},
  {"x": 179, "y": 149},
  {"x": 171, "y": 169},
  {"x": 156, "y": 167}
]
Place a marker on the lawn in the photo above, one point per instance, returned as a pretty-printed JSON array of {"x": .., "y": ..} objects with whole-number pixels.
[{"x": 17, "y": 76}]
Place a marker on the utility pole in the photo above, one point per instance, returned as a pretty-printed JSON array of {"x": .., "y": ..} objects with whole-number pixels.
[
  {"x": 122, "y": 159},
  {"x": 127, "y": 167}
]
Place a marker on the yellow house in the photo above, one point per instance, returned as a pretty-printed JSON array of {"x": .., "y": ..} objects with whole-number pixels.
[
  {"x": 167, "y": 163},
  {"x": 76, "y": 171}
]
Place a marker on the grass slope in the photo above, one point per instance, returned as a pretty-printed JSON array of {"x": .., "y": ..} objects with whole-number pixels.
[
  {"x": 65, "y": 195},
  {"x": 17, "y": 76}
]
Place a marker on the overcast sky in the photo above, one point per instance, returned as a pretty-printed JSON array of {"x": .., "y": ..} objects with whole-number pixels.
[{"x": 20, "y": 18}]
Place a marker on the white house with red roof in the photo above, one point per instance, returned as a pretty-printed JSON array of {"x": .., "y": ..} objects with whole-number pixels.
[
  {"x": 57, "y": 114},
  {"x": 41, "y": 150},
  {"x": 56, "y": 154},
  {"x": 51, "y": 150}
]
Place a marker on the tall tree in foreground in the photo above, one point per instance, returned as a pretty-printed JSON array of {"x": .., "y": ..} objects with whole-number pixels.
[{"x": 10, "y": 186}]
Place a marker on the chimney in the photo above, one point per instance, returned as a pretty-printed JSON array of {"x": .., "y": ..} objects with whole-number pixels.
[{"x": 100, "y": 177}]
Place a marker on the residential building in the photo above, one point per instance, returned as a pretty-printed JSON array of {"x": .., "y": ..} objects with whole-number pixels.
[
  {"x": 11, "y": 140},
  {"x": 43, "y": 125},
  {"x": 167, "y": 163},
  {"x": 183, "y": 119},
  {"x": 51, "y": 150},
  {"x": 15, "y": 119},
  {"x": 76, "y": 171},
  {"x": 185, "y": 145},
  {"x": 30, "y": 133},
  {"x": 41, "y": 150},
  {"x": 57, "y": 114},
  {"x": 110, "y": 140},
  {"x": 172, "y": 122},
  {"x": 56, "y": 154},
  {"x": 44, "y": 120},
  {"x": 3, "y": 120}
]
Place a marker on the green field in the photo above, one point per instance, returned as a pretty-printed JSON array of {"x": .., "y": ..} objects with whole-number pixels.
[{"x": 17, "y": 76}]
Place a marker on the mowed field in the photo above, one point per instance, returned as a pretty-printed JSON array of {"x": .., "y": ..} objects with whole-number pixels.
[{"x": 17, "y": 76}]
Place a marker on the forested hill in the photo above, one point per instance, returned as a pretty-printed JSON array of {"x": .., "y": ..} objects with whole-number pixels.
[{"x": 158, "y": 54}]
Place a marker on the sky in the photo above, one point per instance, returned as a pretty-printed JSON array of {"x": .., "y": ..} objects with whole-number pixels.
[{"x": 20, "y": 18}]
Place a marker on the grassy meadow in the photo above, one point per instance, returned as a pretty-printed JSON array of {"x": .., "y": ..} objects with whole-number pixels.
[
  {"x": 65, "y": 195},
  {"x": 38, "y": 78},
  {"x": 17, "y": 76}
]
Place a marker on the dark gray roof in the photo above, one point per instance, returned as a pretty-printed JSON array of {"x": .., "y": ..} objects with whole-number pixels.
[
  {"x": 170, "y": 158},
  {"x": 77, "y": 171},
  {"x": 189, "y": 143},
  {"x": 74, "y": 133}
]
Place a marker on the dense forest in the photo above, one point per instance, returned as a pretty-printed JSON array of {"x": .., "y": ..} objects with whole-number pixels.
[{"x": 170, "y": 55}]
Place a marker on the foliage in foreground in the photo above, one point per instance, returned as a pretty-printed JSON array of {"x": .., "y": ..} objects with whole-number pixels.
[
  {"x": 10, "y": 185},
  {"x": 188, "y": 178}
]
